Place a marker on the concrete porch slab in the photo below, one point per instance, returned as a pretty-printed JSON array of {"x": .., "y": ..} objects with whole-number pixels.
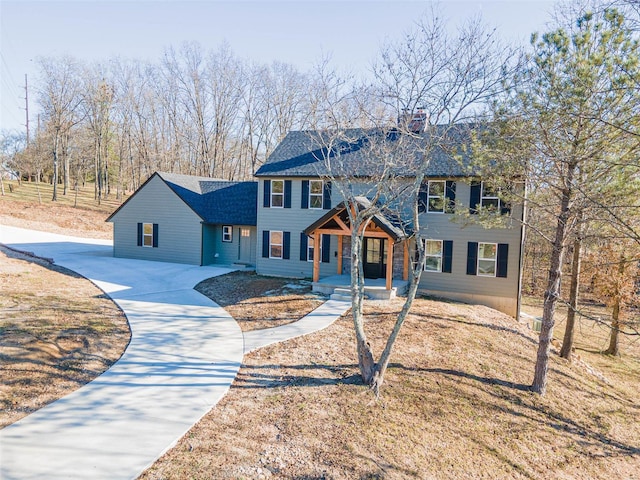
[{"x": 374, "y": 288}]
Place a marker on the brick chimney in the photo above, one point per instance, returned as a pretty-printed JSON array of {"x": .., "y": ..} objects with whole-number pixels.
[{"x": 415, "y": 122}]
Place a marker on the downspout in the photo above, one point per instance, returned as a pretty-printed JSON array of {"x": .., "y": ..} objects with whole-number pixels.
[
  {"x": 202, "y": 244},
  {"x": 521, "y": 259}
]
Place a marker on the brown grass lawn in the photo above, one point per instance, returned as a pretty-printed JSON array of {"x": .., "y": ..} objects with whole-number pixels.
[
  {"x": 22, "y": 208},
  {"x": 455, "y": 405},
  {"x": 257, "y": 302},
  {"x": 57, "y": 332}
]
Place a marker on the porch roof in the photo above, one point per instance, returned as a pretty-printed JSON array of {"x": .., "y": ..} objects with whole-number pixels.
[{"x": 388, "y": 222}]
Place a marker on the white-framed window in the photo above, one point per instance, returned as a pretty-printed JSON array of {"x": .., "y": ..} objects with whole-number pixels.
[
  {"x": 489, "y": 197},
  {"x": 311, "y": 249},
  {"x": 277, "y": 193},
  {"x": 487, "y": 259},
  {"x": 147, "y": 234},
  {"x": 433, "y": 255},
  {"x": 275, "y": 244},
  {"x": 316, "y": 188},
  {"x": 227, "y": 233},
  {"x": 436, "y": 196}
]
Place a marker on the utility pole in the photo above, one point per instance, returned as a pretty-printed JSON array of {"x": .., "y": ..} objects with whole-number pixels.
[{"x": 26, "y": 108}]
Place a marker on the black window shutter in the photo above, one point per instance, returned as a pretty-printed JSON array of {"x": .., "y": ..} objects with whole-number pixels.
[
  {"x": 472, "y": 258},
  {"x": 287, "y": 194},
  {"x": 303, "y": 246},
  {"x": 326, "y": 196},
  {"x": 422, "y": 198},
  {"x": 266, "y": 203},
  {"x": 450, "y": 194},
  {"x": 475, "y": 196},
  {"x": 286, "y": 242},
  {"x": 503, "y": 256},
  {"x": 447, "y": 254},
  {"x": 155, "y": 235},
  {"x": 305, "y": 194},
  {"x": 265, "y": 244},
  {"x": 505, "y": 208},
  {"x": 326, "y": 248},
  {"x": 139, "y": 234}
]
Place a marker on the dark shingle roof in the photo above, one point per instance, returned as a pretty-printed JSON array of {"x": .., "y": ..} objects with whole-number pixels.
[
  {"x": 214, "y": 200},
  {"x": 302, "y": 153}
]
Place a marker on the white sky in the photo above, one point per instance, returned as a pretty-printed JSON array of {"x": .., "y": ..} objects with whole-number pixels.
[{"x": 297, "y": 32}]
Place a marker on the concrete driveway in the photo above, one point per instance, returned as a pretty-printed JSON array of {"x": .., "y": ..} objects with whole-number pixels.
[{"x": 184, "y": 353}]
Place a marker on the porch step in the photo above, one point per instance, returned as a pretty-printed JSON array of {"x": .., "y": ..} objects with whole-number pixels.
[
  {"x": 341, "y": 298},
  {"x": 342, "y": 294}
]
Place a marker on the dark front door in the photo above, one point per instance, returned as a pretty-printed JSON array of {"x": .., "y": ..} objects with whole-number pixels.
[{"x": 375, "y": 250}]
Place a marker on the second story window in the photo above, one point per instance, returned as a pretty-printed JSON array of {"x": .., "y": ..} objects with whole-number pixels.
[
  {"x": 489, "y": 197},
  {"x": 277, "y": 193},
  {"x": 435, "y": 196},
  {"x": 315, "y": 193}
]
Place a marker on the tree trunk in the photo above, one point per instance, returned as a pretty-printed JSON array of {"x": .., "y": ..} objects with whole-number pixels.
[
  {"x": 552, "y": 293},
  {"x": 54, "y": 198},
  {"x": 567, "y": 342},
  {"x": 365, "y": 355},
  {"x": 614, "y": 348}
]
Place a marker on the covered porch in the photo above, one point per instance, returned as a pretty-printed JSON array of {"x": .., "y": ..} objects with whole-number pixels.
[{"x": 385, "y": 254}]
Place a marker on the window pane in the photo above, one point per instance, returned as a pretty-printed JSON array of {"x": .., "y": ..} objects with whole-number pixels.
[
  {"x": 148, "y": 229},
  {"x": 490, "y": 203},
  {"x": 277, "y": 200},
  {"x": 277, "y": 186},
  {"x": 148, "y": 241},
  {"x": 487, "y": 267},
  {"x": 436, "y": 204},
  {"x": 487, "y": 250},
  {"x": 434, "y": 247},
  {"x": 276, "y": 238},
  {"x": 433, "y": 264},
  {"x": 373, "y": 250},
  {"x": 315, "y": 201},
  {"x": 276, "y": 251},
  {"x": 315, "y": 186},
  {"x": 436, "y": 189}
]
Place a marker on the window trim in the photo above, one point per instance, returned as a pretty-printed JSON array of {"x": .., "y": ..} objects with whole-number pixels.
[
  {"x": 321, "y": 195},
  {"x": 146, "y": 235},
  {"x": 227, "y": 233},
  {"x": 273, "y": 194},
  {"x": 442, "y": 197},
  {"x": 272, "y": 244},
  {"x": 427, "y": 255},
  {"x": 495, "y": 196},
  {"x": 495, "y": 260}
]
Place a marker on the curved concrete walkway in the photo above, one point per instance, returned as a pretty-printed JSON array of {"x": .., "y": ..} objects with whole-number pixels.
[{"x": 184, "y": 354}]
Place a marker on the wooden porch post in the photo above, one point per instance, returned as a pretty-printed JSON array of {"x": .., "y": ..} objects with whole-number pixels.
[
  {"x": 316, "y": 256},
  {"x": 390, "y": 264},
  {"x": 405, "y": 267},
  {"x": 339, "y": 254}
]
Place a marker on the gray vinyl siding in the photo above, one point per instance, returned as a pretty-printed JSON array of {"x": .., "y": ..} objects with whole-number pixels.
[
  {"x": 179, "y": 228},
  {"x": 210, "y": 237},
  {"x": 440, "y": 226},
  {"x": 226, "y": 253},
  {"x": 293, "y": 220}
]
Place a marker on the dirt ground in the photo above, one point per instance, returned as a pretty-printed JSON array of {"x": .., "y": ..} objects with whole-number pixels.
[
  {"x": 257, "y": 302},
  {"x": 57, "y": 332}
]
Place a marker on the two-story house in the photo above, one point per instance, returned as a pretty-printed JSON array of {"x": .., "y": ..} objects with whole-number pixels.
[
  {"x": 293, "y": 223},
  {"x": 299, "y": 214}
]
